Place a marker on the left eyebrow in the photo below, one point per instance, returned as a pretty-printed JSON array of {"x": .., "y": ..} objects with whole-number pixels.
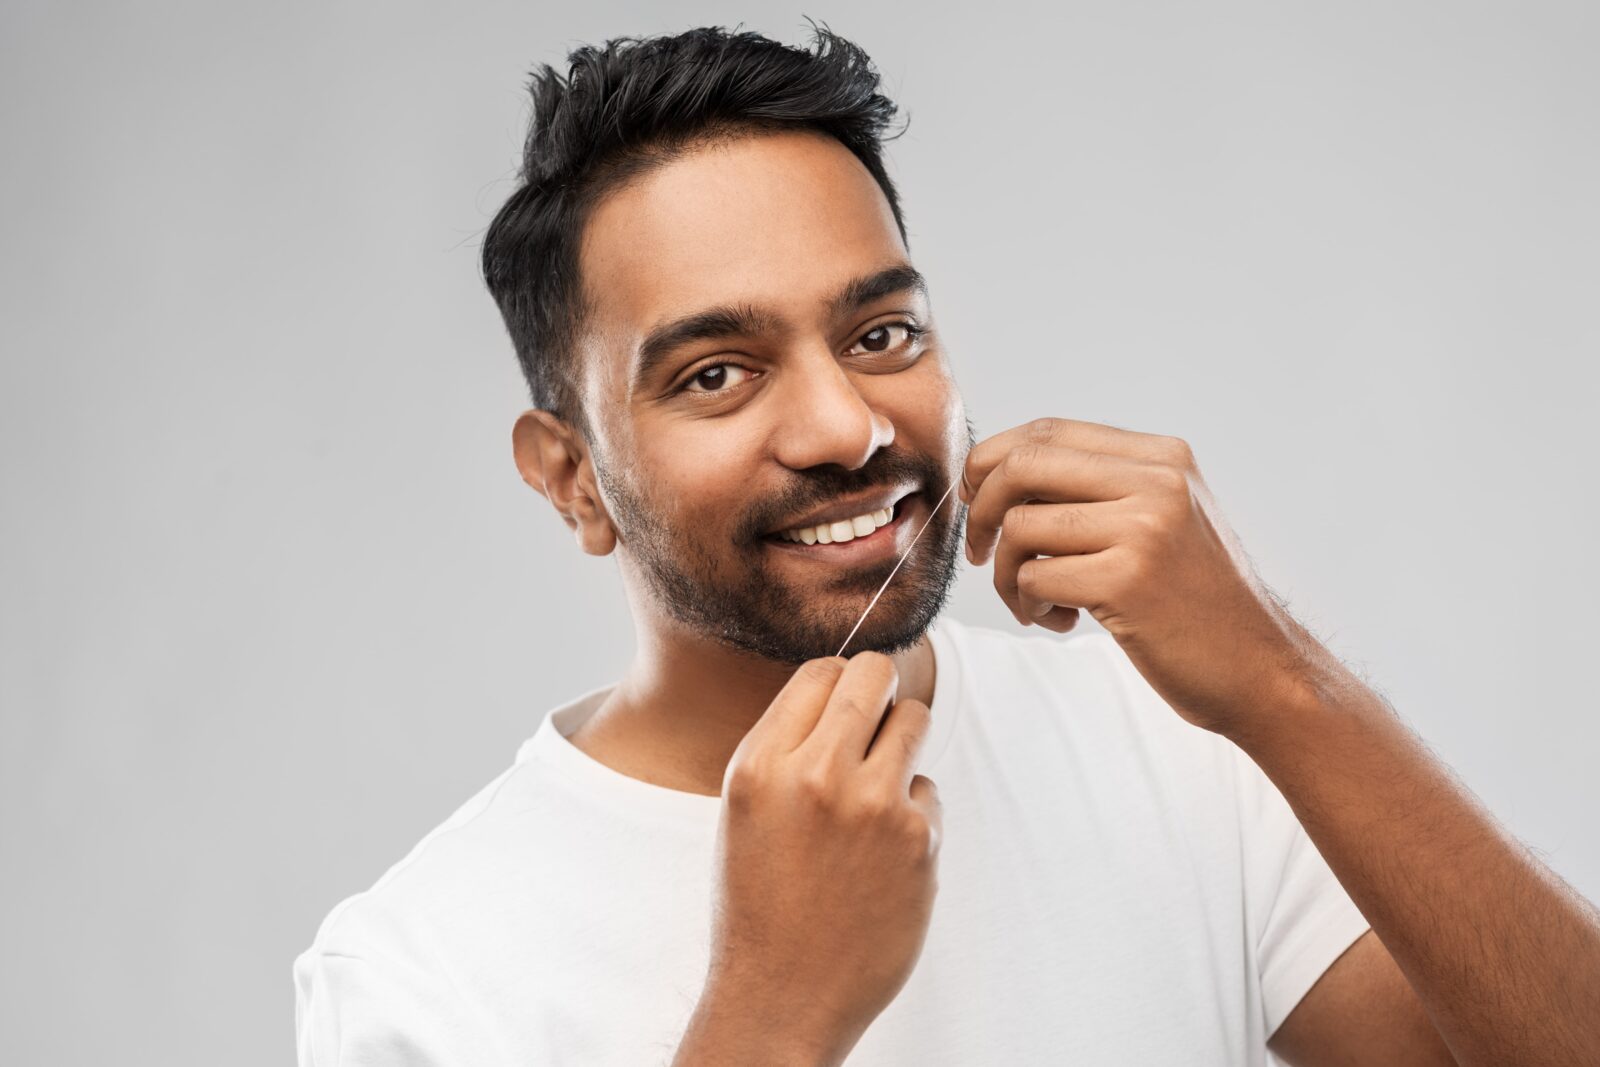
[{"x": 746, "y": 320}]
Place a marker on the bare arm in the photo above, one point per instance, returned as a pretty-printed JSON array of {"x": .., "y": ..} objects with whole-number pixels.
[
  {"x": 729, "y": 1029},
  {"x": 1503, "y": 955},
  {"x": 1361, "y": 1011}
]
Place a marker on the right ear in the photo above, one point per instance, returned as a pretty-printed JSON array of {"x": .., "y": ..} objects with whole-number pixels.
[{"x": 555, "y": 461}]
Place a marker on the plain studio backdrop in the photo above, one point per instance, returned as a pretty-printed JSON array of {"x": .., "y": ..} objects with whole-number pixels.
[{"x": 274, "y": 600}]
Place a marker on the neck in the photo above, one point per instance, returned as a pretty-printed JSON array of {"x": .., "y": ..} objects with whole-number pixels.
[{"x": 686, "y": 702}]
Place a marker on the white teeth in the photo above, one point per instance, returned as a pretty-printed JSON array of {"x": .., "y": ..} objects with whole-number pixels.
[{"x": 842, "y": 531}]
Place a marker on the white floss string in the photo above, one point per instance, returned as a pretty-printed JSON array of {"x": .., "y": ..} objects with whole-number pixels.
[{"x": 892, "y": 573}]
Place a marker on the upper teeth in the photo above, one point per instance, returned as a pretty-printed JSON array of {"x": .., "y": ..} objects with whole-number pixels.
[{"x": 843, "y": 530}]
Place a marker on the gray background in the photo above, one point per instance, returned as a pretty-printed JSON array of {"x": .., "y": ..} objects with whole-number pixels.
[{"x": 274, "y": 600}]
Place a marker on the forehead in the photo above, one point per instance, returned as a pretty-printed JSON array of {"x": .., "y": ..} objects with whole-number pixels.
[{"x": 778, "y": 221}]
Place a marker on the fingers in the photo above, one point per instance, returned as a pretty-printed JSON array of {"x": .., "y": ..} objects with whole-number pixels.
[
  {"x": 1070, "y": 433},
  {"x": 1053, "y": 475},
  {"x": 1060, "y": 619},
  {"x": 864, "y": 691},
  {"x": 1087, "y": 582},
  {"x": 794, "y": 712},
  {"x": 1030, "y": 530},
  {"x": 899, "y": 742}
]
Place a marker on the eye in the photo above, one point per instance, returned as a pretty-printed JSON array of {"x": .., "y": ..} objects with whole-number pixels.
[
  {"x": 714, "y": 376},
  {"x": 879, "y": 339}
]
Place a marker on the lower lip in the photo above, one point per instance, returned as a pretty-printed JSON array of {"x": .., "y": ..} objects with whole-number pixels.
[{"x": 884, "y": 541}]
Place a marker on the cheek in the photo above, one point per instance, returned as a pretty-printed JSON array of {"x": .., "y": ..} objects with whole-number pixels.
[
  {"x": 928, "y": 411},
  {"x": 955, "y": 429},
  {"x": 697, "y": 479}
]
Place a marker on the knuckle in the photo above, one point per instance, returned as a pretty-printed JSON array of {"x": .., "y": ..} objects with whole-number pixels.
[
  {"x": 1016, "y": 523},
  {"x": 871, "y": 672},
  {"x": 872, "y": 806},
  {"x": 1042, "y": 429},
  {"x": 745, "y": 780},
  {"x": 1177, "y": 450},
  {"x": 1028, "y": 577},
  {"x": 917, "y": 714},
  {"x": 1149, "y": 521},
  {"x": 826, "y": 669},
  {"x": 816, "y": 785},
  {"x": 852, "y": 705},
  {"x": 875, "y": 665},
  {"x": 1022, "y": 459},
  {"x": 918, "y": 837},
  {"x": 1172, "y": 479},
  {"x": 969, "y": 470},
  {"x": 911, "y": 743}
]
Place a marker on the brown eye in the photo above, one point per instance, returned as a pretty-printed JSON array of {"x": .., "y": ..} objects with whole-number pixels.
[
  {"x": 714, "y": 377},
  {"x": 881, "y": 338}
]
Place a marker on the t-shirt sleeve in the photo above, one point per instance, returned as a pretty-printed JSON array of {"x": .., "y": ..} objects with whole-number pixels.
[
  {"x": 1300, "y": 917},
  {"x": 354, "y": 1012}
]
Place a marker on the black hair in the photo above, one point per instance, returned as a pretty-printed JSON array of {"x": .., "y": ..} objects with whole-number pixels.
[{"x": 631, "y": 106}]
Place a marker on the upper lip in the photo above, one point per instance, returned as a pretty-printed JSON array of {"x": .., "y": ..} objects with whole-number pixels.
[{"x": 849, "y": 507}]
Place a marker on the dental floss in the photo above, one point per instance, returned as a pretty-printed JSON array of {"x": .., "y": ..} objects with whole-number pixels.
[{"x": 892, "y": 573}]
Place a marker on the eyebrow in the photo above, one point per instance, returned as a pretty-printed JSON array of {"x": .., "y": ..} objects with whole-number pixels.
[{"x": 744, "y": 320}]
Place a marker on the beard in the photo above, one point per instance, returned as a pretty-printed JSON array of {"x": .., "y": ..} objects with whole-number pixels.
[{"x": 737, "y": 599}]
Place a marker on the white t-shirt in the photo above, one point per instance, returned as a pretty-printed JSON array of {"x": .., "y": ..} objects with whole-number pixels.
[{"x": 1116, "y": 886}]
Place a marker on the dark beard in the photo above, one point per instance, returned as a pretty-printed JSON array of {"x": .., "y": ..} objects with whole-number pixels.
[{"x": 736, "y": 601}]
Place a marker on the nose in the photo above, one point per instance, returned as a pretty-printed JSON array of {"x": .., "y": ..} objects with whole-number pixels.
[{"x": 825, "y": 419}]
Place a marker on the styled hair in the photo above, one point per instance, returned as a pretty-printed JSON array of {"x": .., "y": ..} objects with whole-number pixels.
[{"x": 632, "y": 106}]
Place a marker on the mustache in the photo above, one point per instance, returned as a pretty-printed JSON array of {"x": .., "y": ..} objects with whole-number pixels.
[{"x": 822, "y": 485}]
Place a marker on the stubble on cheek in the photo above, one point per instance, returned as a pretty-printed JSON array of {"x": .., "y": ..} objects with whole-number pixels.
[{"x": 720, "y": 579}]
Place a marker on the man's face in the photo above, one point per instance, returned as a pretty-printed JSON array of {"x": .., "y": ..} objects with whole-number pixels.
[{"x": 808, "y": 396}]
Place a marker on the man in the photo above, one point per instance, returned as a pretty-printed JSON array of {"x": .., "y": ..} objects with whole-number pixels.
[{"x": 1185, "y": 841}]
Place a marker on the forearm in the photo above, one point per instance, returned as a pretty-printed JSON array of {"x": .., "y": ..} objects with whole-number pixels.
[
  {"x": 732, "y": 1027},
  {"x": 1504, "y": 955},
  {"x": 723, "y": 1044}
]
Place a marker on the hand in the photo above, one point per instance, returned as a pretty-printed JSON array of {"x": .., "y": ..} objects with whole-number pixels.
[
  {"x": 827, "y": 853},
  {"x": 1127, "y": 529}
]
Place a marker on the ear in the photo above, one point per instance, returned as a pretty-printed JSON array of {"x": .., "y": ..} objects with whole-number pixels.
[{"x": 555, "y": 460}]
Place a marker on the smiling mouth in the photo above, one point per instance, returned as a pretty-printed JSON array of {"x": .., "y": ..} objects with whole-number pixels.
[{"x": 869, "y": 530}]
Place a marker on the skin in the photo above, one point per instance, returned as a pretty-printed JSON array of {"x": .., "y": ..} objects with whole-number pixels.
[
  {"x": 828, "y": 844},
  {"x": 676, "y": 486},
  {"x": 828, "y": 856},
  {"x": 1470, "y": 932},
  {"x": 780, "y": 222}
]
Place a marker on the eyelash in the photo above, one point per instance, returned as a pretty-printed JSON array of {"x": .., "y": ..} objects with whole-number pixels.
[{"x": 914, "y": 333}]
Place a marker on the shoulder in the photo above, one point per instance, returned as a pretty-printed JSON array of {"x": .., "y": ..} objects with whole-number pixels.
[
  {"x": 496, "y": 846},
  {"x": 384, "y": 970},
  {"x": 448, "y": 866}
]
